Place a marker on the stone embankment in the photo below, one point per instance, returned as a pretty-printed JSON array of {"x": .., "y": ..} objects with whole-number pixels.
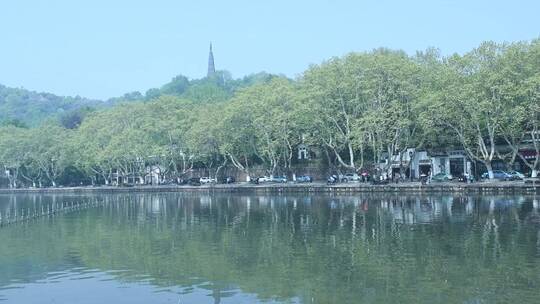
[{"x": 516, "y": 187}]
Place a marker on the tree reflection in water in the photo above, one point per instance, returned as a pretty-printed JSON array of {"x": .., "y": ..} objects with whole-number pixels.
[{"x": 320, "y": 249}]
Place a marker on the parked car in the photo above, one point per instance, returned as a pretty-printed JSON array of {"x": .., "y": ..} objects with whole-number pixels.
[
  {"x": 441, "y": 177},
  {"x": 229, "y": 180},
  {"x": 207, "y": 180},
  {"x": 304, "y": 179},
  {"x": 500, "y": 175},
  {"x": 517, "y": 175},
  {"x": 264, "y": 179},
  {"x": 279, "y": 179},
  {"x": 194, "y": 181},
  {"x": 378, "y": 181},
  {"x": 349, "y": 177},
  {"x": 332, "y": 179},
  {"x": 260, "y": 179},
  {"x": 465, "y": 178}
]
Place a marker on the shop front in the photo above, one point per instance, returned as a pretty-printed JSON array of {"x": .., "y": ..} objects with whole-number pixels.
[{"x": 424, "y": 167}]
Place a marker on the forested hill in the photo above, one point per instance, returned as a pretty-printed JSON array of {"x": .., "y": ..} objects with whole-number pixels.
[
  {"x": 219, "y": 87},
  {"x": 30, "y": 108},
  {"x": 23, "y": 107}
]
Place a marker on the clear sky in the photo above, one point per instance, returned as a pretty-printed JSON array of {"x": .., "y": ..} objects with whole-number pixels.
[{"x": 105, "y": 48}]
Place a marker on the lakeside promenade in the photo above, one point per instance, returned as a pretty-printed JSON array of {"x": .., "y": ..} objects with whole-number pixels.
[{"x": 517, "y": 187}]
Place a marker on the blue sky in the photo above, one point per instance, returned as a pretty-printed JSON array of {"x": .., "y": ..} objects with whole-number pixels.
[{"x": 104, "y": 48}]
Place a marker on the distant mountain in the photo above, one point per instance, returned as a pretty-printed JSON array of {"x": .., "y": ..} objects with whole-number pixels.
[{"x": 23, "y": 107}]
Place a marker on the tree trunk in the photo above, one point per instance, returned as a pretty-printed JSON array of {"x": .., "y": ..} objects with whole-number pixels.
[
  {"x": 351, "y": 155},
  {"x": 489, "y": 169},
  {"x": 219, "y": 169}
]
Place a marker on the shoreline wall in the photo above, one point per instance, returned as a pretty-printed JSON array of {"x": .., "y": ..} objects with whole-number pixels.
[{"x": 479, "y": 188}]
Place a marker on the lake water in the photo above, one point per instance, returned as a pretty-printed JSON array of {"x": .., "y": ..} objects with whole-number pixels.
[{"x": 197, "y": 248}]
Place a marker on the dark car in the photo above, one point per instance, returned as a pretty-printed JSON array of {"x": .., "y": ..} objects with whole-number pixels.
[
  {"x": 332, "y": 179},
  {"x": 229, "y": 180},
  {"x": 183, "y": 181},
  {"x": 194, "y": 181},
  {"x": 465, "y": 178},
  {"x": 376, "y": 180},
  {"x": 304, "y": 179}
]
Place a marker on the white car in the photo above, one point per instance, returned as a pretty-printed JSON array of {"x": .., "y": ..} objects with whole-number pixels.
[
  {"x": 349, "y": 177},
  {"x": 263, "y": 179},
  {"x": 207, "y": 180}
]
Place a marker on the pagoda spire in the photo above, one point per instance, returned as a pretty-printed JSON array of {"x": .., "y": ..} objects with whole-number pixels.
[{"x": 211, "y": 67}]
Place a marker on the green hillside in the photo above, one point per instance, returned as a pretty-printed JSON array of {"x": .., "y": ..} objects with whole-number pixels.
[
  {"x": 19, "y": 106},
  {"x": 31, "y": 108}
]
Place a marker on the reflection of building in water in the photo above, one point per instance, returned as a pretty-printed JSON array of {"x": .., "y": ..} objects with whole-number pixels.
[
  {"x": 425, "y": 210},
  {"x": 156, "y": 205},
  {"x": 452, "y": 209},
  {"x": 205, "y": 200},
  {"x": 264, "y": 201},
  {"x": 469, "y": 207}
]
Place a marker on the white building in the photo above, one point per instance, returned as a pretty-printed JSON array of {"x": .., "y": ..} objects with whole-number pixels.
[{"x": 415, "y": 163}]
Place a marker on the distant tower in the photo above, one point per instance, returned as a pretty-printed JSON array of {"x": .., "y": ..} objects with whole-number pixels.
[{"x": 211, "y": 67}]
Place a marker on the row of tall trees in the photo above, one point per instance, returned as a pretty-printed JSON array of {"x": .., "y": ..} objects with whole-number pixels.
[{"x": 356, "y": 110}]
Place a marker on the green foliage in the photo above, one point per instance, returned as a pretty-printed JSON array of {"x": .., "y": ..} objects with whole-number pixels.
[
  {"x": 216, "y": 88},
  {"x": 73, "y": 118},
  {"x": 358, "y": 109},
  {"x": 32, "y": 108},
  {"x": 482, "y": 97}
]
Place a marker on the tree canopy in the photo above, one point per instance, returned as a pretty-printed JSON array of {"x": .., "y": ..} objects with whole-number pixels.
[{"x": 355, "y": 109}]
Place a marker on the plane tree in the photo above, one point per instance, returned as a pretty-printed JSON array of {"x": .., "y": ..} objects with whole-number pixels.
[
  {"x": 471, "y": 102},
  {"x": 392, "y": 82},
  {"x": 333, "y": 91},
  {"x": 520, "y": 125},
  {"x": 12, "y": 153}
]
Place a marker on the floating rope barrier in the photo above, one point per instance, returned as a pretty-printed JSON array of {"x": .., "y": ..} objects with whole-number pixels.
[{"x": 18, "y": 215}]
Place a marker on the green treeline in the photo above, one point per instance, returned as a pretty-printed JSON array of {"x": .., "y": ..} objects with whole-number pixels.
[{"x": 354, "y": 109}]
